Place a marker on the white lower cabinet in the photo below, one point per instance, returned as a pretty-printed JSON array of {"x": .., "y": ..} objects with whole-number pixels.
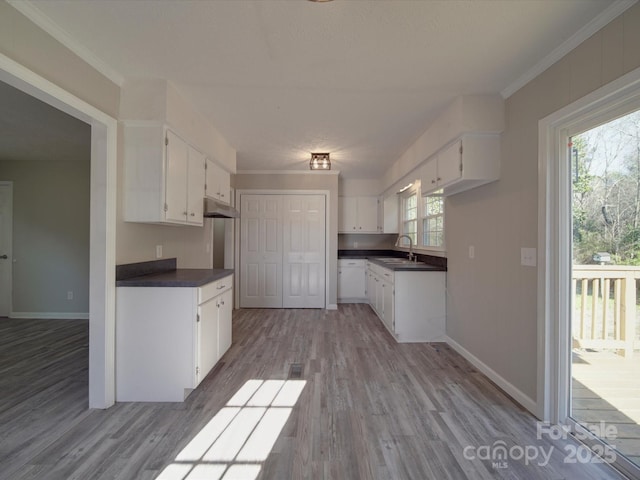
[
  {"x": 169, "y": 338},
  {"x": 352, "y": 281},
  {"x": 411, "y": 304}
]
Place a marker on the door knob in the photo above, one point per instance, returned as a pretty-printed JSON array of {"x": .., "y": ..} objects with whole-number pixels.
[{"x": 3, "y": 257}]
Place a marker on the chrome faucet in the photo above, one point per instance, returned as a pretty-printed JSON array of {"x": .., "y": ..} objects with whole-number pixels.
[{"x": 411, "y": 255}]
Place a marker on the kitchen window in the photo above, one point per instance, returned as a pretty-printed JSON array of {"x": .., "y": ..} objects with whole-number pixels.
[
  {"x": 433, "y": 220},
  {"x": 410, "y": 217}
]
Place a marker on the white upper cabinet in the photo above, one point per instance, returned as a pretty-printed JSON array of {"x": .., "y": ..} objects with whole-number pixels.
[
  {"x": 163, "y": 177},
  {"x": 472, "y": 161},
  {"x": 218, "y": 183},
  {"x": 195, "y": 186},
  {"x": 358, "y": 215}
]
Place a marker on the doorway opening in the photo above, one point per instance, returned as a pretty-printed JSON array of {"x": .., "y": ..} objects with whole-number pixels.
[
  {"x": 101, "y": 225},
  {"x": 605, "y": 327}
]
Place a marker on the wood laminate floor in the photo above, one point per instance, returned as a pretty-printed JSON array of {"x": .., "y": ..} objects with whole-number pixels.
[{"x": 370, "y": 409}]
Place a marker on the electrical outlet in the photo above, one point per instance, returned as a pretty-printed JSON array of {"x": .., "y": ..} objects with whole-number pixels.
[
  {"x": 69, "y": 295},
  {"x": 528, "y": 257},
  {"x": 158, "y": 251},
  {"x": 355, "y": 244},
  {"x": 208, "y": 247},
  {"x": 472, "y": 251}
]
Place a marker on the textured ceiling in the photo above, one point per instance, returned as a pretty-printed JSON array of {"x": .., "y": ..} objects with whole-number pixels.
[{"x": 360, "y": 79}]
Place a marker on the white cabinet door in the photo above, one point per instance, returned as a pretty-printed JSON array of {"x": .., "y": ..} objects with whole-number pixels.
[
  {"x": 367, "y": 214},
  {"x": 303, "y": 251},
  {"x": 195, "y": 187},
  {"x": 225, "y": 309},
  {"x": 261, "y": 251},
  {"x": 429, "y": 176},
  {"x": 389, "y": 305},
  {"x": 207, "y": 351},
  {"x": 218, "y": 182},
  {"x": 177, "y": 157},
  {"x": 348, "y": 214},
  {"x": 450, "y": 165},
  {"x": 371, "y": 289},
  {"x": 351, "y": 282}
]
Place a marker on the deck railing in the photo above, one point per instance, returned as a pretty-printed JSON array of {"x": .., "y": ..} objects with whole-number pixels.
[{"x": 604, "y": 309}]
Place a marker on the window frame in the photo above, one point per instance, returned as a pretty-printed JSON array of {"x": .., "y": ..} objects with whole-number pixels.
[
  {"x": 425, "y": 217},
  {"x": 418, "y": 245}
]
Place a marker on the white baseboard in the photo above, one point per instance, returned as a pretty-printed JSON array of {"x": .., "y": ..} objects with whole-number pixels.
[
  {"x": 332, "y": 306},
  {"x": 51, "y": 315},
  {"x": 523, "y": 399}
]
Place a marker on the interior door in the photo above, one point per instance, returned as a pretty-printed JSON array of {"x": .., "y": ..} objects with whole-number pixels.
[
  {"x": 261, "y": 251},
  {"x": 304, "y": 246},
  {"x": 6, "y": 212}
]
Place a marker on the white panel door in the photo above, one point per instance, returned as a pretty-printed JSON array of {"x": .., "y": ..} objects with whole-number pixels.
[
  {"x": 304, "y": 247},
  {"x": 6, "y": 223},
  {"x": 261, "y": 251}
]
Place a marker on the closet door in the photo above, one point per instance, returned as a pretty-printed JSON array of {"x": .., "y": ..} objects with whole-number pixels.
[
  {"x": 261, "y": 251},
  {"x": 304, "y": 251}
]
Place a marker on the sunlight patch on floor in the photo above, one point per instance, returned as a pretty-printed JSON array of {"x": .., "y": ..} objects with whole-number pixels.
[{"x": 239, "y": 438}]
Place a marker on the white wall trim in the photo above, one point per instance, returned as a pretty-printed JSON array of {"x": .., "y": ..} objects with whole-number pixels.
[
  {"x": 51, "y": 315},
  {"x": 102, "y": 288},
  {"x": 614, "y": 10},
  {"x": 36, "y": 15},
  {"x": 520, "y": 397},
  {"x": 333, "y": 306},
  {"x": 554, "y": 235}
]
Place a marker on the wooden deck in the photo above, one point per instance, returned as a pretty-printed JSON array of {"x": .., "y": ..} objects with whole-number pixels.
[{"x": 606, "y": 387}]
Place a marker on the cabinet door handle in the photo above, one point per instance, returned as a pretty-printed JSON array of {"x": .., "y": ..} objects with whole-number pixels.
[
  {"x": 433, "y": 181},
  {"x": 222, "y": 302},
  {"x": 220, "y": 287},
  {"x": 193, "y": 214},
  {"x": 184, "y": 213}
]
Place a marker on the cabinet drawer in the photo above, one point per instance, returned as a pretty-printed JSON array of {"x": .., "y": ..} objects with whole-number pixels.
[
  {"x": 351, "y": 262},
  {"x": 213, "y": 289}
]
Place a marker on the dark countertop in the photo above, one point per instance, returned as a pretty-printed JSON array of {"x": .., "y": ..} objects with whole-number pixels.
[
  {"x": 163, "y": 273},
  {"x": 429, "y": 263},
  {"x": 181, "y": 277}
]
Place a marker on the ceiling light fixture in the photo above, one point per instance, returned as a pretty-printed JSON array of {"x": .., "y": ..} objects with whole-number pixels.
[{"x": 320, "y": 161}]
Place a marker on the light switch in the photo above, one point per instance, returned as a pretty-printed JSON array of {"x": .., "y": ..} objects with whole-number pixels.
[
  {"x": 472, "y": 251},
  {"x": 158, "y": 251},
  {"x": 528, "y": 257}
]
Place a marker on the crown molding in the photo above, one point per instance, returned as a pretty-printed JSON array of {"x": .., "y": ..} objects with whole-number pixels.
[
  {"x": 616, "y": 9},
  {"x": 36, "y": 15},
  {"x": 288, "y": 172}
]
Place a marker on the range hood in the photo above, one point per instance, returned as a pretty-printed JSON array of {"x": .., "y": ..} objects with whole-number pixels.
[{"x": 213, "y": 209}]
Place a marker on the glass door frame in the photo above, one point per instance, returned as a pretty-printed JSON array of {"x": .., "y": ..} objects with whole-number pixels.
[{"x": 555, "y": 245}]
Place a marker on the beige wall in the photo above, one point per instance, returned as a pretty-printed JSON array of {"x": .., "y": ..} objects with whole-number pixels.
[
  {"x": 491, "y": 305},
  {"x": 24, "y": 42},
  {"x": 50, "y": 235},
  {"x": 310, "y": 181}
]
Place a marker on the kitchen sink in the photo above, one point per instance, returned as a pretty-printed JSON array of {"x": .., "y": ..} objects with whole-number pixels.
[{"x": 397, "y": 261}]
